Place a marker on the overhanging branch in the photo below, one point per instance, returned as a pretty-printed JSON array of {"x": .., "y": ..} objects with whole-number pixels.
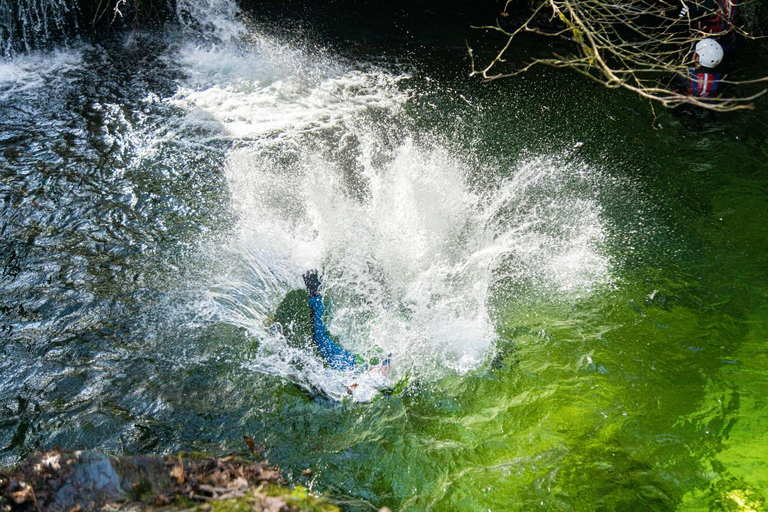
[{"x": 630, "y": 44}]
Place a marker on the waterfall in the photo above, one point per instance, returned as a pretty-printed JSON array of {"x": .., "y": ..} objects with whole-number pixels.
[{"x": 27, "y": 24}]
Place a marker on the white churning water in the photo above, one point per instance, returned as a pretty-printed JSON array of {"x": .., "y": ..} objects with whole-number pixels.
[
  {"x": 324, "y": 173},
  {"x": 24, "y": 74}
]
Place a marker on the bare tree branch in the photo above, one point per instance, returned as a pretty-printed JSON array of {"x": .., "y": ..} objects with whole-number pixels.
[{"x": 638, "y": 45}]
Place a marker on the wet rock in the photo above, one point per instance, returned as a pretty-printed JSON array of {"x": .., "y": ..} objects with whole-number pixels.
[{"x": 93, "y": 478}]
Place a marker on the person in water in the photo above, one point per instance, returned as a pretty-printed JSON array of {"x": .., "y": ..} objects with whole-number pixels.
[
  {"x": 705, "y": 80},
  {"x": 336, "y": 357}
]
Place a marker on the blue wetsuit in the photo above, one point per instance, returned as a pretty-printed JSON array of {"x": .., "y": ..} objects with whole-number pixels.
[{"x": 337, "y": 357}]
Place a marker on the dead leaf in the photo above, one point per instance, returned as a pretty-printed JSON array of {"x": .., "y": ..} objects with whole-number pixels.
[
  {"x": 207, "y": 489},
  {"x": 178, "y": 472},
  {"x": 251, "y": 444},
  {"x": 20, "y": 492},
  {"x": 275, "y": 504}
]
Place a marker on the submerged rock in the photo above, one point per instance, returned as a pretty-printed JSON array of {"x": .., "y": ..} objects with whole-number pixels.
[{"x": 80, "y": 481}]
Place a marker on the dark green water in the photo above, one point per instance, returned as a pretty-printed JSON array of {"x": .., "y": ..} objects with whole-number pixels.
[{"x": 630, "y": 306}]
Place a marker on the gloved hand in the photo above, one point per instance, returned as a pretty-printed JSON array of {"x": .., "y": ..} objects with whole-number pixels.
[{"x": 312, "y": 282}]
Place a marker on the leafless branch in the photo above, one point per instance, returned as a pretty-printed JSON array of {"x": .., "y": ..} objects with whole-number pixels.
[{"x": 638, "y": 45}]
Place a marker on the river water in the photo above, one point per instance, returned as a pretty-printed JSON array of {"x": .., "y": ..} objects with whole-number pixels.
[{"x": 576, "y": 302}]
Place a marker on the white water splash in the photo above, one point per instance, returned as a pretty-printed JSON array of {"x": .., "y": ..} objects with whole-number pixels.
[
  {"x": 212, "y": 20},
  {"x": 324, "y": 173},
  {"x": 27, "y": 73}
]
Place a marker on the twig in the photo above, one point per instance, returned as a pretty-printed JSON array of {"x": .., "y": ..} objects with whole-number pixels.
[{"x": 630, "y": 44}]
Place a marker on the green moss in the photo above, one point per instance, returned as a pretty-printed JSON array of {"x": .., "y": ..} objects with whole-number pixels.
[
  {"x": 195, "y": 455},
  {"x": 142, "y": 491},
  {"x": 244, "y": 503},
  {"x": 148, "y": 475},
  {"x": 184, "y": 503},
  {"x": 300, "y": 498}
]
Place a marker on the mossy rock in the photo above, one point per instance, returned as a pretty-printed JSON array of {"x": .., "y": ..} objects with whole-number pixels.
[
  {"x": 273, "y": 498},
  {"x": 94, "y": 481}
]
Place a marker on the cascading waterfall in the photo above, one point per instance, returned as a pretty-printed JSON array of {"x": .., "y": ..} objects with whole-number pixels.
[{"x": 26, "y": 24}]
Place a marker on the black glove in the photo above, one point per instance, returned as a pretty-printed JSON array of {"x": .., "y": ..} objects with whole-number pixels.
[{"x": 312, "y": 282}]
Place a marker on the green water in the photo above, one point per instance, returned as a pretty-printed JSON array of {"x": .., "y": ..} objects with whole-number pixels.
[
  {"x": 650, "y": 393},
  {"x": 648, "y": 390}
]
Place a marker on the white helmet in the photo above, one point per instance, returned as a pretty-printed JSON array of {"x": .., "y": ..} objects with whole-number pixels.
[{"x": 710, "y": 52}]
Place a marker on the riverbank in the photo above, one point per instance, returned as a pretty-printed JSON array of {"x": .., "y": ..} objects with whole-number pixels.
[{"x": 88, "y": 480}]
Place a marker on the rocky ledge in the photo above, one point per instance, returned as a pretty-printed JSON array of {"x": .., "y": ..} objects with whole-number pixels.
[{"x": 84, "y": 481}]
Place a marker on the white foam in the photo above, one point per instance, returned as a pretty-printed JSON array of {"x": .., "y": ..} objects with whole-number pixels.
[
  {"x": 213, "y": 20},
  {"x": 410, "y": 267},
  {"x": 236, "y": 95},
  {"x": 29, "y": 72},
  {"x": 324, "y": 173}
]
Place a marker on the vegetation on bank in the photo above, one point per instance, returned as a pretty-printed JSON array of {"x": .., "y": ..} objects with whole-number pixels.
[{"x": 79, "y": 481}]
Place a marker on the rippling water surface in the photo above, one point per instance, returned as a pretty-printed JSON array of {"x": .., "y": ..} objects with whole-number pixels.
[{"x": 576, "y": 303}]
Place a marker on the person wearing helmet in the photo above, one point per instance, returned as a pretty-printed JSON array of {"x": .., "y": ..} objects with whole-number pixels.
[
  {"x": 336, "y": 357},
  {"x": 704, "y": 80},
  {"x": 708, "y": 53}
]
